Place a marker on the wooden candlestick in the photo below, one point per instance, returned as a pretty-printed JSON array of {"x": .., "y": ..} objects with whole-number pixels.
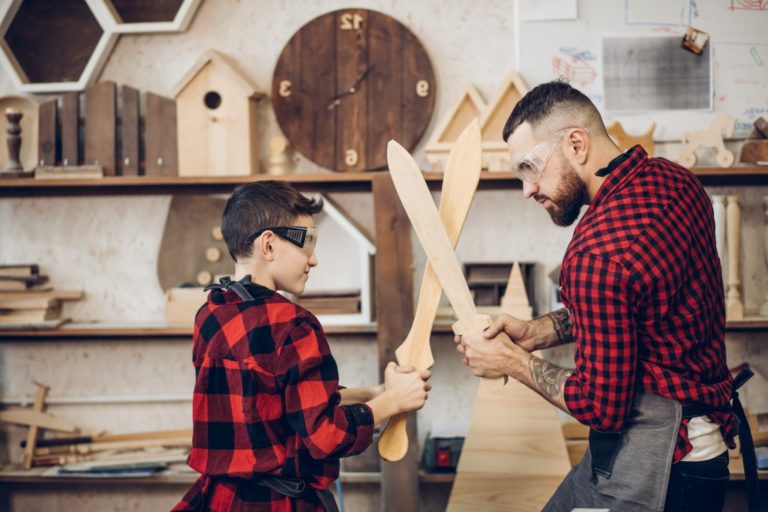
[
  {"x": 13, "y": 140},
  {"x": 764, "y": 307},
  {"x": 734, "y": 306},
  {"x": 13, "y": 168}
]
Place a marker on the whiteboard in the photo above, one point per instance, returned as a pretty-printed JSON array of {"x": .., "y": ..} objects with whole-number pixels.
[{"x": 549, "y": 49}]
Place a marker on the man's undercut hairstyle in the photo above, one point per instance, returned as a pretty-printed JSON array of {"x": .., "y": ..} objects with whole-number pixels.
[
  {"x": 558, "y": 102},
  {"x": 260, "y": 205}
]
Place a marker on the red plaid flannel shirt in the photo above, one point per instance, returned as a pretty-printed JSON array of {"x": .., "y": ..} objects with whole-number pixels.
[
  {"x": 266, "y": 401},
  {"x": 642, "y": 281}
]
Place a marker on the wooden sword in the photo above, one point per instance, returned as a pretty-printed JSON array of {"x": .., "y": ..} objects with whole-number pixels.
[{"x": 462, "y": 174}]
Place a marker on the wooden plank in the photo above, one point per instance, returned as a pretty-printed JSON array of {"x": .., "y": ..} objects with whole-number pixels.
[
  {"x": 317, "y": 83},
  {"x": 383, "y": 87},
  {"x": 418, "y": 100},
  {"x": 70, "y": 128},
  {"x": 162, "y": 157},
  {"x": 100, "y": 126},
  {"x": 37, "y": 419},
  {"x": 34, "y": 430},
  {"x": 352, "y": 65},
  {"x": 46, "y": 139},
  {"x": 129, "y": 163},
  {"x": 394, "y": 310}
]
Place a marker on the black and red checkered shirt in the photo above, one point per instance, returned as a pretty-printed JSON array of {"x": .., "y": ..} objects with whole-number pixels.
[
  {"x": 266, "y": 401},
  {"x": 642, "y": 281}
]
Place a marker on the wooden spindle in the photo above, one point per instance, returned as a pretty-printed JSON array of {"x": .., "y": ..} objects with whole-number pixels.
[
  {"x": 13, "y": 139},
  {"x": 764, "y": 307},
  {"x": 734, "y": 306}
]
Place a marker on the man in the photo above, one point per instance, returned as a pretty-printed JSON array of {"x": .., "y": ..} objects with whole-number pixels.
[{"x": 642, "y": 286}]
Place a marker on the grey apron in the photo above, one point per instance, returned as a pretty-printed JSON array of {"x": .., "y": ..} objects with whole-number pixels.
[{"x": 628, "y": 470}]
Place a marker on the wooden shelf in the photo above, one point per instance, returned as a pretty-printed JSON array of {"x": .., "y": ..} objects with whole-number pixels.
[
  {"x": 747, "y": 324},
  {"x": 34, "y": 477},
  {"x": 100, "y": 331},
  {"x": 319, "y": 182}
]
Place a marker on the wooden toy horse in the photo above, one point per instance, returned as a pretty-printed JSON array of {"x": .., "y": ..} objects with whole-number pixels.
[{"x": 709, "y": 138}]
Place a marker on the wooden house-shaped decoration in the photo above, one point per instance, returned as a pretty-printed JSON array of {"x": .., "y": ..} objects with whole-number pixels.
[
  {"x": 495, "y": 155},
  {"x": 339, "y": 234},
  {"x": 470, "y": 105},
  {"x": 216, "y": 108}
]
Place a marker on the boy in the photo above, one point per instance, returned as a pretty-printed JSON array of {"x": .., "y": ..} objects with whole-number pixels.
[{"x": 269, "y": 424}]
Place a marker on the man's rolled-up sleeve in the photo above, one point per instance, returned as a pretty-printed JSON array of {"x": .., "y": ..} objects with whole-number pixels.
[{"x": 597, "y": 292}]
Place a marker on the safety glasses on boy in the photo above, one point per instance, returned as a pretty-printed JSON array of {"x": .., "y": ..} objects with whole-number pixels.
[{"x": 301, "y": 236}]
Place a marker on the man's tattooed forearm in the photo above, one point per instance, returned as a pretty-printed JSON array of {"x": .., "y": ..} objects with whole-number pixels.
[
  {"x": 563, "y": 325},
  {"x": 549, "y": 379}
]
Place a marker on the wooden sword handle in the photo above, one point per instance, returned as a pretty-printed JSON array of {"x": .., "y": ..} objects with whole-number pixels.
[{"x": 460, "y": 180}]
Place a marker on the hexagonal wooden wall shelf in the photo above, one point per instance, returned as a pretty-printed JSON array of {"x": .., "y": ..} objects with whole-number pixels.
[
  {"x": 146, "y": 16},
  {"x": 53, "y": 45}
]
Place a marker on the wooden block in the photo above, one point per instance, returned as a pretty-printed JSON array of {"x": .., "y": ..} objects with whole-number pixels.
[
  {"x": 754, "y": 151},
  {"x": 100, "y": 126},
  {"x": 160, "y": 142},
  {"x": 70, "y": 128},
  {"x": 129, "y": 159},
  {"x": 46, "y": 138},
  {"x": 29, "y": 450}
]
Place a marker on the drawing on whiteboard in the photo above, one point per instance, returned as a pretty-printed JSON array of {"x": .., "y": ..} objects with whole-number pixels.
[
  {"x": 749, "y": 5},
  {"x": 756, "y": 56},
  {"x": 655, "y": 73},
  {"x": 574, "y": 66}
]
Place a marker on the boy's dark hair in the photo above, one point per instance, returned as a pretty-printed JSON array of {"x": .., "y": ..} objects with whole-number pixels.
[
  {"x": 544, "y": 99},
  {"x": 259, "y": 205}
]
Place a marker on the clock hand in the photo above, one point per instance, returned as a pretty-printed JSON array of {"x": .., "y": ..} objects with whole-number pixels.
[{"x": 336, "y": 99}]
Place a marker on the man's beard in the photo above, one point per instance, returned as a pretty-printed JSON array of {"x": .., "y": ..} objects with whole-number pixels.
[{"x": 571, "y": 195}]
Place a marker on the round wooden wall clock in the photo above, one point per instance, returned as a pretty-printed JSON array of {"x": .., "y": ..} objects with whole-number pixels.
[{"x": 349, "y": 81}]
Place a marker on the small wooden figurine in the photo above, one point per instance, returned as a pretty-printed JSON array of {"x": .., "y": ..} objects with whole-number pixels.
[
  {"x": 626, "y": 141},
  {"x": 755, "y": 148},
  {"x": 708, "y": 138},
  {"x": 278, "y": 156}
]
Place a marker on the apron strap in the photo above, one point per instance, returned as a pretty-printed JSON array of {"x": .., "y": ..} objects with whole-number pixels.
[
  {"x": 226, "y": 284},
  {"x": 747, "y": 445}
]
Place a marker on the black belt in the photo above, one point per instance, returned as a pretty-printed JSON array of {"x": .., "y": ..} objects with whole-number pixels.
[
  {"x": 745, "y": 437},
  {"x": 291, "y": 487}
]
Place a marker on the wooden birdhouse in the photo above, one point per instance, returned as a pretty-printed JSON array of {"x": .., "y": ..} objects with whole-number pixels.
[{"x": 217, "y": 119}]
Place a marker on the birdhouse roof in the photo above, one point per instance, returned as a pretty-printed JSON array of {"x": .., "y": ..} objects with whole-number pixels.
[{"x": 226, "y": 66}]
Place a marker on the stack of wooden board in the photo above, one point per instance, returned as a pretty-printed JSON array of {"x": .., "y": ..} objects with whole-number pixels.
[
  {"x": 24, "y": 302},
  {"x": 331, "y": 302}
]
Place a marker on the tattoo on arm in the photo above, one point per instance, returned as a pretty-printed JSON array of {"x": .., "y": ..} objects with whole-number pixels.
[
  {"x": 563, "y": 325},
  {"x": 549, "y": 380}
]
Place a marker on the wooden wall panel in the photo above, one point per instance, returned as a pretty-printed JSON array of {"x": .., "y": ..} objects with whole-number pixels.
[
  {"x": 162, "y": 156},
  {"x": 101, "y": 126},
  {"x": 394, "y": 314}
]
